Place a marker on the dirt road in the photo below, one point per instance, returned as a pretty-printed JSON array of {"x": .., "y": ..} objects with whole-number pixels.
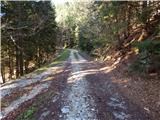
[{"x": 75, "y": 90}]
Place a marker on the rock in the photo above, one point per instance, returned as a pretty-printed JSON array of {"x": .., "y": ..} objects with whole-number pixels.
[
  {"x": 65, "y": 109},
  {"x": 55, "y": 98},
  {"x": 93, "y": 109},
  {"x": 147, "y": 109}
]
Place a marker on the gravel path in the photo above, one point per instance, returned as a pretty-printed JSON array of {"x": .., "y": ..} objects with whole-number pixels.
[{"x": 79, "y": 105}]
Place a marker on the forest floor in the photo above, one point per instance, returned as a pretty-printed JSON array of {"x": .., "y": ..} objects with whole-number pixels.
[{"x": 80, "y": 89}]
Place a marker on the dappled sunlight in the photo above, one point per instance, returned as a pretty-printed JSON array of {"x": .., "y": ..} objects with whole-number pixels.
[
  {"x": 79, "y": 74},
  {"x": 112, "y": 67},
  {"x": 43, "y": 75},
  {"x": 78, "y": 62},
  {"x": 8, "y": 87},
  {"x": 48, "y": 79},
  {"x": 79, "y": 106},
  {"x": 120, "y": 81},
  {"x": 58, "y": 70},
  {"x": 107, "y": 69},
  {"x": 90, "y": 71}
]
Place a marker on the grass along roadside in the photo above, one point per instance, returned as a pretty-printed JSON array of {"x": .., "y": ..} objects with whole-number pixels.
[
  {"x": 60, "y": 59},
  {"x": 28, "y": 114}
]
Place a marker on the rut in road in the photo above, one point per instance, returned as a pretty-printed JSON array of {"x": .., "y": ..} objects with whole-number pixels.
[{"x": 79, "y": 105}]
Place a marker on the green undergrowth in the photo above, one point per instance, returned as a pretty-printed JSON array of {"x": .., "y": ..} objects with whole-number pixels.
[
  {"x": 28, "y": 114},
  {"x": 148, "y": 58},
  {"x": 62, "y": 57}
]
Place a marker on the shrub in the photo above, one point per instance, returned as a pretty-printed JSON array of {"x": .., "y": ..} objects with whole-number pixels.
[{"x": 149, "y": 56}]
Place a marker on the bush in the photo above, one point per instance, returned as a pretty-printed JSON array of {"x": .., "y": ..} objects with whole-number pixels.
[{"x": 149, "y": 56}]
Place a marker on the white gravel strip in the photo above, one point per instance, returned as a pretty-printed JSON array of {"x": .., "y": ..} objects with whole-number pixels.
[
  {"x": 15, "y": 104},
  {"x": 20, "y": 83},
  {"x": 79, "y": 105}
]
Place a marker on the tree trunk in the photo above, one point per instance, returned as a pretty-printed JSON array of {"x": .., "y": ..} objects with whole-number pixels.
[
  {"x": 3, "y": 74},
  {"x": 10, "y": 65},
  {"x": 21, "y": 58},
  {"x": 128, "y": 18},
  {"x": 17, "y": 60},
  {"x": 26, "y": 63}
]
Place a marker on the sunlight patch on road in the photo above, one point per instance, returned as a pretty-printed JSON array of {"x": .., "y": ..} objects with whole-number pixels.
[{"x": 79, "y": 74}]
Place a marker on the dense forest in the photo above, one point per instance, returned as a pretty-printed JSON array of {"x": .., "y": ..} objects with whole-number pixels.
[
  {"x": 28, "y": 36},
  {"x": 32, "y": 32}
]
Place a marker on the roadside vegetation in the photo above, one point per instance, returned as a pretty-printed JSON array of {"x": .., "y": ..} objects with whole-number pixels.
[
  {"x": 63, "y": 56},
  {"x": 27, "y": 115}
]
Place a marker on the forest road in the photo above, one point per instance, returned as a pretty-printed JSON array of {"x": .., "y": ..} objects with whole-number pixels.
[
  {"x": 76, "y": 90},
  {"x": 90, "y": 95}
]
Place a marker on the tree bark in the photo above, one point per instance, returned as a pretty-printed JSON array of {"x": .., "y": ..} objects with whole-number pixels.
[
  {"x": 21, "y": 58},
  {"x": 10, "y": 65},
  {"x": 26, "y": 63},
  {"x": 3, "y": 74},
  {"x": 128, "y": 18},
  {"x": 17, "y": 61}
]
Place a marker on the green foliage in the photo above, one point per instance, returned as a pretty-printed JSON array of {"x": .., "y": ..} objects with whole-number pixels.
[
  {"x": 85, "y": 44},
  {"x": 150, "y": 46},
  {"x": 141, "y": 64},
  {"x": 28, "y": 114},
  {"x": 148, "y": 57},
  {"x": 62, "y": 57}
]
